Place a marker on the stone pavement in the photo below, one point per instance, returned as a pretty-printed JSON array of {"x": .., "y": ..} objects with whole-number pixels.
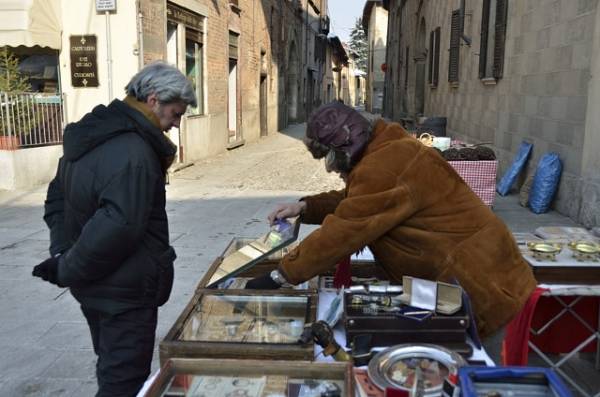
[{"x": 44, "y": 341}]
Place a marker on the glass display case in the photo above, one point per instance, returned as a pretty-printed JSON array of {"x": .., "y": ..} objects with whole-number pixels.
[
  {"x": 251, "y": 378},
  {"x": 243, "y": 324},
  {"x": 247, "y": 318}
]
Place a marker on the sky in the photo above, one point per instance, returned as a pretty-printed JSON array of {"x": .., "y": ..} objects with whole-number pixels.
[{"x": 343, "y": 14}]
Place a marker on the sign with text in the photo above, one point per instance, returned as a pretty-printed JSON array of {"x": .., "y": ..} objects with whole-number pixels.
[
  {"x": 84, "y": 65},
  {"x": 106, "y": 5}
]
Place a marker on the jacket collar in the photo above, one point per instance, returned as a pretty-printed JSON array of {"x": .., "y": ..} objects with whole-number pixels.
[{"x": 143, "y": 109}]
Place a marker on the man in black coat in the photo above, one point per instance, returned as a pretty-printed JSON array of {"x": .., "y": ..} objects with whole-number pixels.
[{"x": 109, "y": 235}]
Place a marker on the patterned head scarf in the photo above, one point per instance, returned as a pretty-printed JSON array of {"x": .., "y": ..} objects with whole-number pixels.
[{"x": 341, "y": 128}]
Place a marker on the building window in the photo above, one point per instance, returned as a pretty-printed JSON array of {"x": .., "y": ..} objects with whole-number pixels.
[
  {"x": 185, "y": 32},
  {"x": 454, "y": 53},
  {"x": 37, "y": 68},
  {"x": 493, "y": 36},
  {"x": 434, "y": 57},
  {"x": 193, "y": 67}
]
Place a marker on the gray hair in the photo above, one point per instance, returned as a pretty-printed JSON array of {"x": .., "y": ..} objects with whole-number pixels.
[{"x": 166, "y": 81}]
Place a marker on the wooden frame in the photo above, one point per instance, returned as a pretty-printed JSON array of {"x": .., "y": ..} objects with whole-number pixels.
[
  {"x": 227, "y": 367},
  {"x": 171, "y": 346}
]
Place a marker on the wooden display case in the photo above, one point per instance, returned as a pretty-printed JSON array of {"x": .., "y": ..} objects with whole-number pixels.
[
  {"x": 243, "y": 324},
  {"x": 366, "y": 313},
  {"x": 183, "y": 377}
]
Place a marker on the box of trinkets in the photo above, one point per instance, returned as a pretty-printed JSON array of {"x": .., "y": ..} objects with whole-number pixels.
[
  {"x": 249, "y": 324},
  {"x": 252, "y": 378},
  {"x": 383, "y": 313}
]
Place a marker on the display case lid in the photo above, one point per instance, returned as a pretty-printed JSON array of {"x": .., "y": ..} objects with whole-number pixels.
[{"x": 282, "y": 234}]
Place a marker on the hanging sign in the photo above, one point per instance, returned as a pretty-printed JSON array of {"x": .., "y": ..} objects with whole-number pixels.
[{"x": 84, "y": 65}]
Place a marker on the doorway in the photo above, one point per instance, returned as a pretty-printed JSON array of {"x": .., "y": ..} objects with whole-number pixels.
[
  {"x": 292, "y": 84},
  {"x": 264, "y": 129},
  {"x": 232, "y": 101}
]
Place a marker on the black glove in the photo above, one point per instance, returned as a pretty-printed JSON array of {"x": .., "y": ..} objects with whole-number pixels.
[
  {"x": 262, "y": 282},
  {"x": 47, "y": 271}
]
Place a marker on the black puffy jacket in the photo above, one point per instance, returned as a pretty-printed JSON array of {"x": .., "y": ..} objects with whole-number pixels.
[{"x": 106, "y": 210}]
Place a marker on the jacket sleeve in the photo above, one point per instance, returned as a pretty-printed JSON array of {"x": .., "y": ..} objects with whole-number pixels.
[
  {"x": 54, "y": 211},
  {"x": 375, "y": 204},
  {"x": 114, "y": 232},
  {"x": 321, "y": 205}
]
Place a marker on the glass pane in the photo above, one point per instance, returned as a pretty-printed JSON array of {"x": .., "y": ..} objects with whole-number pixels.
[
  {"x": 199, "y": 78},
  {"x": 189, "y": 385},
  {"x": 247, "y": 319},
  {"x": 191, "y": 67},
  {"x": 282, "y": 235}
]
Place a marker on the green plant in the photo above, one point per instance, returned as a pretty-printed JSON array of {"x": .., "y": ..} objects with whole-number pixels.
[
  {"x": 18, "y": 114},
  {"x": 11, "y": 80}
]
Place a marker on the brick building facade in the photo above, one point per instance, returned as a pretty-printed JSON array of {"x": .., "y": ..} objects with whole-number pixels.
[{"x": 259, "y": 65}]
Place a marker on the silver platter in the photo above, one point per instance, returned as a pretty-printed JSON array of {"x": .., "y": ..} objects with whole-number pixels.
[{"x": 382, "y": 364}]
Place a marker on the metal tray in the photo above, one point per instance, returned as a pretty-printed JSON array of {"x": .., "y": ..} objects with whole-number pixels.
[{"x": 383, "y": 366}]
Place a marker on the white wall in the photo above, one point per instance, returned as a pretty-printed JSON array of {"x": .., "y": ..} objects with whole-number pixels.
[
  {"x": 80, "y": 18},
  {"x": 25, "y": 168}
]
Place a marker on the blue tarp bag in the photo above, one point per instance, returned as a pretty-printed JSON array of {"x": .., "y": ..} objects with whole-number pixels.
[
  {"x": 545, "y": 183},
  {"x": 509, "y": 178}
]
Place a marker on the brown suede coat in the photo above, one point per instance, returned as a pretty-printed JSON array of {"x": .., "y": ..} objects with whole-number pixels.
[{"x": 419, "y": 218}]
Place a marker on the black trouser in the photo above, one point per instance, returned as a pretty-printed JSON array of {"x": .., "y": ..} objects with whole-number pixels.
[{"x": 123, "y": 343}]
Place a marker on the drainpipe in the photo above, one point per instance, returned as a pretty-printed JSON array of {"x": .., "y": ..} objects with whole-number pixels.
[
  {"x": 465, "y": 38},
  {"x": 140, "y": 32},
  {"x": 109, "y": 57}
]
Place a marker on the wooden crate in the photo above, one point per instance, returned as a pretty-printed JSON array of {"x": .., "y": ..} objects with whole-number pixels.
[
  {"x": 175, "y": 344},
  {"x": 341, "y": 372}
]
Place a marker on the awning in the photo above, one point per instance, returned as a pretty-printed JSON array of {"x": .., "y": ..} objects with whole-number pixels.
[{"x": 30, "y": 23}]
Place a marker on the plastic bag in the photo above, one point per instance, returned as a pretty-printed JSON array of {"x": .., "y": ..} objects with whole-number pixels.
[
  {"x": 509, "y": 178},
  {"x": 545, "y": 183}
]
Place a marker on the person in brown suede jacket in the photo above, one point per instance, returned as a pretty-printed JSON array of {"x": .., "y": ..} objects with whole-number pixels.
[{"x": 414, "y": 212}]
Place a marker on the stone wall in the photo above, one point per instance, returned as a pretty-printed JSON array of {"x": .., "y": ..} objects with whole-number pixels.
[{"x": 542, "y": 97}]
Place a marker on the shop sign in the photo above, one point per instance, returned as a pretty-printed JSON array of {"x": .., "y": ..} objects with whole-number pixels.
[
  {"x": 84, "y": 65},
  {"x": 106, "y": 5}
]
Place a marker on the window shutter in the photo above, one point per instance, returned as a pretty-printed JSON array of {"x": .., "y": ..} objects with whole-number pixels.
[
  {"x": 406, "y": 69},
  {"x": 233, "y": 45},
  {"x": 454, "y": 47},
  {"x": 485, "y": 22},
  {"x": 431, "y": 56},
  {"x": 436, "y": 63},
  {"x": 499, "y": 40}
]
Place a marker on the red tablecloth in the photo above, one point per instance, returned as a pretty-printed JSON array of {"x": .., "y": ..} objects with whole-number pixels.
[{"x": 562, "y": 336}]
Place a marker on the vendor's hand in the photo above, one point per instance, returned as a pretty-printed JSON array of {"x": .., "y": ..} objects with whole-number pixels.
[
  {"x": 262, "y": 282},
  {"x": 290, "y": 210},
  {"x": 47, "y": 270}
]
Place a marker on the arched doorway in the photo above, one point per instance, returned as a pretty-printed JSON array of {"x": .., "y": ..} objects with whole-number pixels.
[
  {"x": 420, "y": 60},
  {"x": 292, "y": 84}
]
